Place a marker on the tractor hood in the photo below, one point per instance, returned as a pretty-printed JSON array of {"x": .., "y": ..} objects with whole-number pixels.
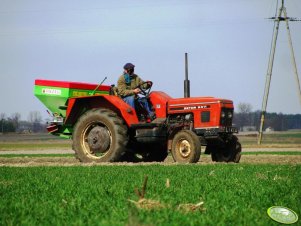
[
  {"x": 208, "y": 112},
  {"x": 197, "y": 102}
]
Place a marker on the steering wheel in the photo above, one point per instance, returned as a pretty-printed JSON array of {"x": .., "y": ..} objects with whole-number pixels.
[{"x": 145, "y": 91}]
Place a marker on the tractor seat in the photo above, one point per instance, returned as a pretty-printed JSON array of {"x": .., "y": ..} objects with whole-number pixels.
[{"x": 113, "y": 90}]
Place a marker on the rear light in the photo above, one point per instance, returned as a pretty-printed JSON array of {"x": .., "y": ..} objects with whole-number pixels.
[{"x": 52, "y": 128}]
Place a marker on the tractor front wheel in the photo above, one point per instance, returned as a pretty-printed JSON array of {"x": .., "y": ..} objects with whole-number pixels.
[
  {"x": 186, "y": 147},
  {"x": 230, "y": 153},
  {"x": 99, "y": 136}
]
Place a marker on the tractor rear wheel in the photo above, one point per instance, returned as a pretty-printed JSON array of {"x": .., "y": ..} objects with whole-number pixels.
[
  {"x": 186, "y": 147},
  {"x": 230, "y": 153},
  {"x": 99, "y": 136}
]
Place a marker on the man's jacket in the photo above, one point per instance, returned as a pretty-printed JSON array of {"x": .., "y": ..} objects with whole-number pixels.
[{"x": 126, "y": 88}]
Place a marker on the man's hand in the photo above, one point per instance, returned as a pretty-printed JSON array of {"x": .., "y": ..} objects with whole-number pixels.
[{"x": 137, "y": 90}]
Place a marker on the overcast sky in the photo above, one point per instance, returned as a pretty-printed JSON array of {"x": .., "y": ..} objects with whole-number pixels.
[{"x": 228, "y": 43}]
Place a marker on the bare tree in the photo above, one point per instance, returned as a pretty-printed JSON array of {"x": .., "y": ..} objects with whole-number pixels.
[
  {"x": 244, "y": 117},
  {"x": 2, "y": 117},
  {"x": 244, "y": 108},
  {"x": 35, "y": 119},
  {"x": 15, "y": 117}
]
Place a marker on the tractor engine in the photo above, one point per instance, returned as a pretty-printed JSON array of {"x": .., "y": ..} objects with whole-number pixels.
[{"x": 207, "y": 116}]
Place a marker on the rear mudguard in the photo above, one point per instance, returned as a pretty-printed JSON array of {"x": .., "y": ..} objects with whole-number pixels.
[{"x": 78, "y": 105}]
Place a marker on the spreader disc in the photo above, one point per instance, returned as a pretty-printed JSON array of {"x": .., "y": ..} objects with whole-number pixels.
[{"x": 282, "y": 214}]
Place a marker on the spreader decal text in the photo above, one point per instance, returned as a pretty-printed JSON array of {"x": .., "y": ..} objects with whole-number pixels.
[{"x": 52, "y": 91}]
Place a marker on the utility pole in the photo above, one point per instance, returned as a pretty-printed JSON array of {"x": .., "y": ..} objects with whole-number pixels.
[{"x": 277, "y": 20}]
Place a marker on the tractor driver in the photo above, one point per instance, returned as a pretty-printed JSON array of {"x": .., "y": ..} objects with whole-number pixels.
[{"x": 127, "y": 88}]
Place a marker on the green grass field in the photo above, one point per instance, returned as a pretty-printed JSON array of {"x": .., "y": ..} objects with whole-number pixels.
[{"x": 233, "y": 194}]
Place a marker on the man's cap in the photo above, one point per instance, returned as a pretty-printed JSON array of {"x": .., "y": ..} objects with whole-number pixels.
[{"x": 128, "y": 66}]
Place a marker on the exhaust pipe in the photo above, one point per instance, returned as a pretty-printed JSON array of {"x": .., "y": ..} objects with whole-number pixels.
[{"x": 186, "y": 81}]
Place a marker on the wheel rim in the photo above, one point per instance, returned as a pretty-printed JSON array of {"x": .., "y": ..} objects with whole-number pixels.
[
  {"x": 96, "y": 140},
  {"x": 184, "y": 148}
]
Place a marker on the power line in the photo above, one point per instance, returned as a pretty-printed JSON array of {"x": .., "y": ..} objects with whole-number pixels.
[{"x": 277, "y": 20}]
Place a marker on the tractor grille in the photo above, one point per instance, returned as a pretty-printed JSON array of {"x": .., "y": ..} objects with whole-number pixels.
[{"x": 226, "y": 117}]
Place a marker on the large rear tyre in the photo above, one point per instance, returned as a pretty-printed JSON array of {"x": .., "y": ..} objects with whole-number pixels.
[
  {"x": 186, "y": 147},
  {"x": 99, "y": 136},
  {"x": 230, "y": 153}
]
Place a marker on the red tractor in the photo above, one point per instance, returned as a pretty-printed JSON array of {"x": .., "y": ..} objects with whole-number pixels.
[{"x": 106, "y": 129}]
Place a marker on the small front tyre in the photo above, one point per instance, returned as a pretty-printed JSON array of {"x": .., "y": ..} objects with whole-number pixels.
[
  {"x": 186, "y": 147},
  {"x": 230, "y": 153}
]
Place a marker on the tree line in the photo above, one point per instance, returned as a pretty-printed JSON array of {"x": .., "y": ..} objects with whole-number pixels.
[
  {"x": 13, "y": 123},
  {"x": 247, "y": 120}
]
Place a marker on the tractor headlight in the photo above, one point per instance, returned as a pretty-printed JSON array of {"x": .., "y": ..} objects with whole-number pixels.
[
  {"x": 223, "y": 114},
  {"x": 230, "y": 115}
]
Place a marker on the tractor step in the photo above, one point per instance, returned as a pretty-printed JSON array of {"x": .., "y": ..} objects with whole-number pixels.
[{"x": 155, "y": 123}]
